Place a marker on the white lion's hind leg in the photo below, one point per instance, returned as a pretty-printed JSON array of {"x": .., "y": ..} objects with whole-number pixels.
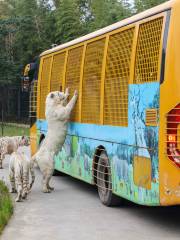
[
  {"x": 45, "y": 188},
  {"x": 46, "y": 178},
  {"x": 19, "y": 189},
  {"x": 19, "y": 196},
  {"x": 46, "y": 165},
  {"x": 25, "y": 185},
  {"x": 2, "y": 156},
  {"x": 49, "y": 187},
  {"x": 12, "y": 181}
]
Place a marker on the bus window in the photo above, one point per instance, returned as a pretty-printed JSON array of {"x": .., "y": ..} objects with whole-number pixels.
[
  {"x": 44, "y": 85},
  {"x": 57, "y": 71},
  {"x": 92, "y": 82},
  {"x": 73, "y": 71},
  {"x": 148, "y": 50},
  {"x": 117, "y": 78}
]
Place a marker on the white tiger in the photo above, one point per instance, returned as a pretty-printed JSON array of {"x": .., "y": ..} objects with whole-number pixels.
[
  {"x": 57, "y": 115},
  {"x": 19, "y": 168},
  {"x": 9, "y": 145}
]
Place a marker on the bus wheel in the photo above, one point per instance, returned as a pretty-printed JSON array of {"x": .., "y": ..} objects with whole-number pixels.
[{"x": 104, "y": 182}]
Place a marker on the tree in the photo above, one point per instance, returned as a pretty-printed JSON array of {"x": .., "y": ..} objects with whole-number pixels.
[
  {"x": 140, "y": 5},
  {"x": 106, "y": 12},
  {"x": 68, "y": 22},
  {"x": 32, "y": 36}
]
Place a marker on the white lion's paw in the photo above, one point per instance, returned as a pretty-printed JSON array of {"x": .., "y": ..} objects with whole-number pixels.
[
  {"x": 75, "y": 92},
  {"x": 51, "y": 188},
  {"x": 18, "y": 199},
  {"x": 46, "y": 190}
]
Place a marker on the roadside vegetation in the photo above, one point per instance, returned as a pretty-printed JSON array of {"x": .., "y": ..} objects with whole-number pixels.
[
  {"x": 30, "y": 27},
  {"x": 6, "y": 205},
  {"x": 14, "y": 130}
]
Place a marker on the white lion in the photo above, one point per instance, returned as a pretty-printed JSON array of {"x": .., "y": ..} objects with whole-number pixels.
[
  {"x": 19, "y": 167},
  {"x": 9, "y": 145},
  {"x": 57, "y": 115}
]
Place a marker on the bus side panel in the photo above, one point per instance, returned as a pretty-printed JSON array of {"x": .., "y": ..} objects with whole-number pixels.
[
  {"x": 135, "y": 160},
  {"x": 33, "y": 137},
  {"x": 138, "y": 144},
  {"x": 169, "y": 99}
]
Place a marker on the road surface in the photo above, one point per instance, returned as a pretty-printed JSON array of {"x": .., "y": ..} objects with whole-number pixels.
[{"x": 73, "y": 212}]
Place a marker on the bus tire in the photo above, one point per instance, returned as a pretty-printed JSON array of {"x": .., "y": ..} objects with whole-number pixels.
[{"x": 104, "y": 182}]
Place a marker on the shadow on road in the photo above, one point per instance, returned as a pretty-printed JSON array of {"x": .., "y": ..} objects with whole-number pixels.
[{"x": 164, "y": 217}]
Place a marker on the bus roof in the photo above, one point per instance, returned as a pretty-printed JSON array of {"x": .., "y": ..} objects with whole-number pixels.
[{"x": 135, "y": 18}]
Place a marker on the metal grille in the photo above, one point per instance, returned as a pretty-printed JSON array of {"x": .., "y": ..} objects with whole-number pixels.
[
  {"x": 151, "y": 117},
  {"x": 44, "y": 85},
  {"x": 102, "y": 172},
  {"x": 117, "y": 78},
  {"x": 33, "y": 100},
  {"x": 178, "y": 136},
  {"x": 57, "y": 72},
  {"x": 73, "y": 76},
  {"x": 173, "y": 135},
  {"x": 92, "y": 82},
  {"x": 148, "y": 50}
]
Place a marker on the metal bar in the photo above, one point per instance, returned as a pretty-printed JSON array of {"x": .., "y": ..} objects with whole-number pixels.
[
  {"x": 103, "y": 180},
  {"x": 110, "y": 189},
  {"x": 64, "y": 71},
  {"x": 81, "y": 82},
  {"x": 103, "y": 72},
  {"x": 95, "y": 170}
]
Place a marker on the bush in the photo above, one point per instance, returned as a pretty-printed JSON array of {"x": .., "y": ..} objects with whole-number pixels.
[{"x": 6, "y": 205}]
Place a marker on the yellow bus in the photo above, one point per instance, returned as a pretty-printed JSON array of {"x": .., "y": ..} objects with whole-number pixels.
[{"x": 124, "y": 133}]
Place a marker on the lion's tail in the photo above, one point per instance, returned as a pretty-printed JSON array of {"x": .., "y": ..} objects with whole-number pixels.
[{"x": 33, "y": 160}]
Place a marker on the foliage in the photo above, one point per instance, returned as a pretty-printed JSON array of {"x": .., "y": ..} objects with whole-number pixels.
[
  {"x": 68, "y": 24},
  {"x": 13, "y": 130},
  {"x": 29, "y": 27},
  {"x": 108, "y": 12},
  {"x": 141, "y": 5},
  {"x": 24, "y": 34},
  {"x": 6, "y": 205}
]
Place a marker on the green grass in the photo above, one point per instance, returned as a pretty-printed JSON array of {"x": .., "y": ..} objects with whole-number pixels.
[
  {"x": 13, "y": 130},
  {"x": 6, "y": 206}
]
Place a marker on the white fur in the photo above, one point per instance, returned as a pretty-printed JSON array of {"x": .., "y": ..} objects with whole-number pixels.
[
  {"x": 19, "y": 167},
  {"x": 57, "y": 116},
  {"x": 9, "y": 145}
]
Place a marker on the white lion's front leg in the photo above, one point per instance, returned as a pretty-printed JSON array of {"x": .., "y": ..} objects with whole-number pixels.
[
  {"x": 71, "y": 103},
  {"x": 66, "y": 96}
]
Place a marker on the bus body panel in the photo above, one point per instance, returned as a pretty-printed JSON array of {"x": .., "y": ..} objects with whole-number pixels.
[
  {"x": 121, "y": 145},
  {"x": 33, "y": 137},
  {"x": 169, "y": 99},
  {"x": 141, "y": 170}
]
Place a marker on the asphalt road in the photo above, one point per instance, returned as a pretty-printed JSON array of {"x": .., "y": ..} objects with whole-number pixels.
[{"x": 73, "y": 212}]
